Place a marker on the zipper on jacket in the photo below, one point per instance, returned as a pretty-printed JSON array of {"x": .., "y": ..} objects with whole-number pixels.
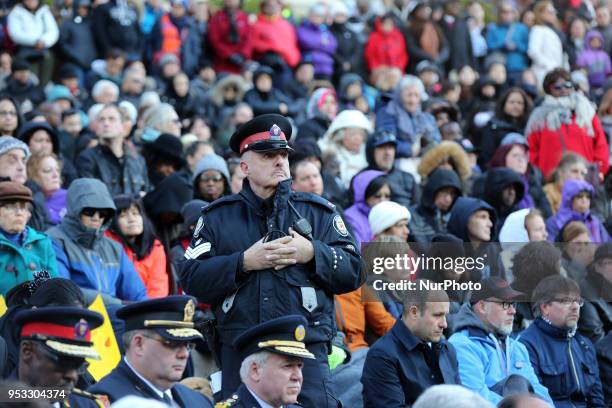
[{"x": 571, "y": 356}]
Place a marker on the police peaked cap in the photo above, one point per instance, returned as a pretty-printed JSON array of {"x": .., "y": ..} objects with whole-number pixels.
[{"x": 263, "y": 133}]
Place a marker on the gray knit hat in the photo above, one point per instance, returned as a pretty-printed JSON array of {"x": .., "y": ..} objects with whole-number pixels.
[
  {"x": 212, "y": 162},
  {"x": 8, "y": 143}
]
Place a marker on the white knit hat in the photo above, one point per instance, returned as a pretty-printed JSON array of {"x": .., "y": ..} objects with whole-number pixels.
[{"x": 385, "y": 215}]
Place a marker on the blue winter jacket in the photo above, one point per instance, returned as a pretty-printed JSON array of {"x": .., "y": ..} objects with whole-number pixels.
[
  {"x": 85, "y": 255},
  {"x": 566, "y": 364},
  {"x": 512, "y": 40},
  {"x": 483, "y": 361}
]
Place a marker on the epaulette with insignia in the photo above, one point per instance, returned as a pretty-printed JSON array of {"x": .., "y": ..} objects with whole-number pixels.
[
  {"x": 101, "y": 400},
  {"x": 313, "y": 198},
  {"x": 230, "y": 402}
]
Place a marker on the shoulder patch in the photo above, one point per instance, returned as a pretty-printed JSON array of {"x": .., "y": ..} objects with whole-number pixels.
[
  {"x": 313, "y": 198},
  {"x": 339, "y": 226},
  {"x": 198, "y": 227},
  {"x": 221, "y": 201},
  {"x": 230, "y": 402}
]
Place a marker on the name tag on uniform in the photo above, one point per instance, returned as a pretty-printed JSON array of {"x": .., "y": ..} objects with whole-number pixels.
[{"x": 309, "y": 298}]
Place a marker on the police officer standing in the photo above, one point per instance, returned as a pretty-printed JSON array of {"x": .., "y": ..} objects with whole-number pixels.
[
  {"x": 158, "y": 337},
  {"x": 268, "y": 252},
  {"x": 55, "y": 341},
  {"x": 271, "y": 373}
]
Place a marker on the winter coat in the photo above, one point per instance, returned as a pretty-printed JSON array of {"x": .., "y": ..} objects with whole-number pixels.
[
  {"x": 604, "y": 357},
  {"x": 485, "y": 359},
  {"x": 566, "y": 364},
  {"x": 396, "y": 371},
  {"x": 19, "y": 262},
  {"x": 512, "y": 40},
  {"x": 21, "y": 92},
  {"x": 417, "y": 34},
  {"x": 151, "y": 269},
  {"x": 595, "y": 61},
  {"x": 275, "y": 34},
  {"x": 349, "y": 50},
  {"x": 545, "y": 50},
  {"x": 555, "y": 224},
  {"x": 115, "y": 25},
  {"x": 26, "y": 28},
  {"x": 318, "y": 44},
  {"x": 127, "y": 175},
  {"x": 566, "y": 124},
  {"x": 596, "y": 314},
  {"x": 428, "y": 220},
  {"x": 85, "y": 255},
  {"x": 268, "y": 102},
  {"x": 386, "y": 49},
  {"x": 492, "y": 136},
  {"x": 195, "y": 49},
  {"x": 77, "y": 43},
  {"x": 458, "y": 36},
  {"x": 222, "y": 43},
  {"x": 56, "y": 206},
  {"x": 357, "y": 214}
]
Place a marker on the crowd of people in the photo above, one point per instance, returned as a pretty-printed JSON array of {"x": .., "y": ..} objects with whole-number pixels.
[{"x": 224, "y": 178}]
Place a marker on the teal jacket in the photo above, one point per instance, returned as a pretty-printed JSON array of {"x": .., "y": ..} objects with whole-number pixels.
[{"x": 18, "y": 263}]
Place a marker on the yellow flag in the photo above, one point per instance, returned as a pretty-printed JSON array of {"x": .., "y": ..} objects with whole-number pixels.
[
  {"x": 105, "y": 344},
  {"x": 2, "y": 306}
]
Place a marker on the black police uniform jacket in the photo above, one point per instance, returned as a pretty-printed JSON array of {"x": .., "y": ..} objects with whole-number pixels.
[
  {"x": 211, "y": 270},
  {"x": 243, "y": 398},
  {"x": 122, "y": 381}
]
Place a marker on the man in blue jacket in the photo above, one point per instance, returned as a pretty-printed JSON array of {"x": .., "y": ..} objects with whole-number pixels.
[
  {"x": 564, "y": 360},
  {"x": 486, "y": 353},
  {"x": 410, "y": 358}
]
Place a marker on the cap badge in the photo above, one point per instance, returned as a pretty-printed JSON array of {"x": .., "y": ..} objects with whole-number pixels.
[
  {"x": 300, "y": 333},
  {"x": 81, "y": 329},
  {"x": 189, "y": 311},
  {"x": 275, "y": 132}
]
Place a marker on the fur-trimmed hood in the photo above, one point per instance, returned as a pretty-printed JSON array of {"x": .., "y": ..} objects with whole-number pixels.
[
  {"x": 443, "y": 151},
  {"x": 230, "y": 80}
]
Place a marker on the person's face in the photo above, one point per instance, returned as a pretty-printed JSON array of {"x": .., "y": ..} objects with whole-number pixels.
[
  {"x": 563, "y": 311},
  {"x": 479, "y": 226},
  {"x": 517, "y": 159},
  {"x": 14, "y": 216},
  {"x": 595, "y": 43},
  {"x": 30, "y": 4},
  {"x": 278, "y": 381},
  {"x": 162, "y": 361},
  {"x": 514, "y": 105},
  {"x": 177, "y": 10},
  {"x": 72, "y": 124},
  {"x": 40, "y": 142},
  {"x": 383, "y": 194},
  {"x": 237, "y": 178},
  {"x": 8, "y": 117},
  {"x": 94, "y": 218},
  {"x": 5, "y": 62},
  {"x": 170, "y": 69},
  {"x": 270, "y": 7},
  {"x": 308, "y": 179},
  {"x": 578, "y": 29},
  {"x": 452, "y": 8},
  {"x": 231, "y": 4},
  {"x": 340, "y": 18},
  {"x": 134, "y": 82},
  {"x": 211, "y": 185},
  {"x": 581, "y": 203},
  {"x": 429, "y": 325},
  {"x": 399, "y": 229},
  {"x": 549, "y": 14},
  {"x": 528, "y": 401},
  {"x": 200, "y": 129},
  {"x": 496, "y": 316},
  {"x": 353, "y": 139},
  {"x": 602, "y": 16},
  {"x": 604, "y": 268},
  {"x": 354, "y": 90},
  {"x": 467, "y": 76},
  {"x": 536, "y": 229},
  {"x": 21, "y": 76},
  {"x": 577, "y": 171},
  {"x": 429, "y": 78},
  {"x": 304, "y": 74},
  {"x": 316, "y": 19},
  {"x": 506, "y": 14},
  {"x": 264, "y": 83},
  {"x": 452, "y": 132},
  {"x": 109, "y": 125},
  {"x": 330, "y": 106},
  {"x": 172, "y": 125},
  {"x": 266, "y": 169},
  {"x": 444, "y": 198},
  {"x": 107, "y": 96},
  {"x": 243, "y": 115},
  {"x": 114, "y": 66},
  {"x": 411, "y": 98},
  {"x": 130, "y": 222},
  {"x": 181, "y": 85},
  {"x": 528, "y": 18},
  {"x": 384, "y": 156},
  {"x": 423, "y": 13},
  {"x": 498, "y": 73},
  {"x": 387, "y": 25},
  {"x": 580, "y": 249},
  {"x": 13, "y": 165},
  {"x": 200, "y": 152},
  {"x": 45, "y": 370},
  {"x": 508, "y": 196},
  {"x": 561, "y": 88},
  {"x": 49, "y": 175},
  {"x": 488, "y": 91}
]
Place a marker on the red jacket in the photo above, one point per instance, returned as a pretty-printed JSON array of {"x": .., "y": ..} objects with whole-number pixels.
[
  {"x": 275, "y": 34},
  {"x": 386, "y": 49},
  {"x": 546, "y": 146},
  {"x": 219, "y": 38}
]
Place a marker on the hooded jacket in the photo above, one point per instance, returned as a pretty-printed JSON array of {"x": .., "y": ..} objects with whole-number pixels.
[
  {"x": 596, "y": 61},
  {"x": 427, "y": 219},
  {"x": 25, "y": 27},
  {"x": 85, "y": 255},
  {"x": 357, "y": 214},
  {"x": 496, "y": 180},
  {"x": 555, "y": 224},
  {"x": 566, "y": 363},
  {"x": 386, "y": 49},
  {"x": 319, "y": 44},
  {"x": 485, "y": 359}
]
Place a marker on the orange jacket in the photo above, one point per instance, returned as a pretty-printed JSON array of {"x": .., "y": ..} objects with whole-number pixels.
[
  {"x": 151, "y": 269},
  {"x": 353, "y": 312}
]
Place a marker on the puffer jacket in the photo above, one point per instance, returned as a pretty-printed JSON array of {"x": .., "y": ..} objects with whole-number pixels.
[
  {"x": 484, "y": 359},
  {"x": 85, "y": 255}
]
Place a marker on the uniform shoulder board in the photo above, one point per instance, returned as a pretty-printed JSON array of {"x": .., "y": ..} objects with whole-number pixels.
[
  {"x": 313, "y": 198},
  {"x": 221, "y": 201},
  {"x": 230, "y": 402},
  {"x": 101, "y": 400}
]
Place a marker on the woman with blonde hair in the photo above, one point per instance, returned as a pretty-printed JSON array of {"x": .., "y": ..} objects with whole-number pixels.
[{"x": 44, "y": 170}]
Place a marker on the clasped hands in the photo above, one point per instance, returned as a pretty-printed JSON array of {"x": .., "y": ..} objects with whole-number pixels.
[{"x": 278, "y": 254}]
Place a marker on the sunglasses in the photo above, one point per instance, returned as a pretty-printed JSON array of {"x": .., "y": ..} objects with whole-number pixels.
[
  {"x": 566, "y": 85},
  {"x": 173, "y": 345},
  {"x": 90, "y": 212}
]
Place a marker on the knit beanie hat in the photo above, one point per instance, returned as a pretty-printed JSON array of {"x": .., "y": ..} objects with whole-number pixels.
[
  {"x": 8, "y": 143},
  {"x": 386, "y": 214},
  {"x": 211, "y": 162}
]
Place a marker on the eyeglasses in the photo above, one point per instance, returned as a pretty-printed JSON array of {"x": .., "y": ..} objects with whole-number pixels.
[
  {"x": 173, "y": 345},
  {"x": 566, "y": 85},
  {"x": 569, "y": 301},
  {"x": 16, "y": 207},
  {"x": 216, "y": 178},
  {"x": 8, "y": 113},
  {"x": 103, "y": 213},
  {"x": 505, "y": 305}
]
